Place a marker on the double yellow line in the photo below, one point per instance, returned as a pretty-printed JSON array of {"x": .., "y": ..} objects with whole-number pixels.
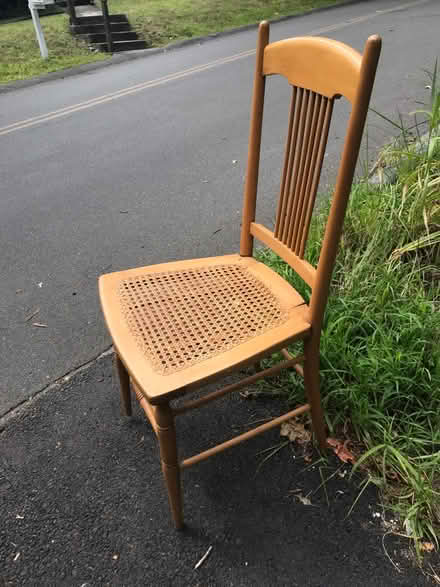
[
  {"x": 22, "y": 124},
  {"x": 119, "y": 94}
]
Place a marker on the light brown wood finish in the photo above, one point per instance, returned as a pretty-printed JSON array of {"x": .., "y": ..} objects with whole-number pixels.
[
  {"x": 305, "y": 149},
  {"x": 147, "y": 407},
  {"x": 243, "y": 437},
  {"x": 344, "y": 180},
  {"x": 253, "y": 162},
  {"x": 323, "y": 65},
  {"x": 302, "y": 267},
  {"x": 158, "y": 388},
  {"x": 152, "y": 312},
  {"x": 291, "y": 362},
  {"x": 124, "y": 382},
  {"x": 166, "y": 434},
  {"x": 298, "y": 368}
]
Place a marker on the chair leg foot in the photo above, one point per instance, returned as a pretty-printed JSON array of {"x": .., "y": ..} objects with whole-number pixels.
[
  {"x": 166, "y": 434},
  {"x": 124, "y": 381},
  {"x": 311, "y": 383},
  {"x": 172, "y": 481}
]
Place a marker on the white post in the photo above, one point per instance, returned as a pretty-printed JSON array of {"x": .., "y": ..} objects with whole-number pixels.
[{"x": 38, "y": 30}]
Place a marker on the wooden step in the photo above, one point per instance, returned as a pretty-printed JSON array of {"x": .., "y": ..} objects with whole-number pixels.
[
  {"x": 63, "y": 3},
  {"x": 81, "y": 20},
  {"x": 84, "y": 29},
  {"x": 119, "y": 46},
  {"x": 100, "y": 37}
]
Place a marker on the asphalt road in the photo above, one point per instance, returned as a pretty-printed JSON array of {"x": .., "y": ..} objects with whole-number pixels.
[
  {"x": 143, "y": 162},
  {"x": 82, "y": 502}
]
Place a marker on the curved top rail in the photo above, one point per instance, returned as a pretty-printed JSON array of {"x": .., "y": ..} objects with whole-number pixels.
[{"x": 323, "y": 65}]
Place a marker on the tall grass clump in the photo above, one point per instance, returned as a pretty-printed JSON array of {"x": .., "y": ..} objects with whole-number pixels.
[{"x": 380, "y": 349}]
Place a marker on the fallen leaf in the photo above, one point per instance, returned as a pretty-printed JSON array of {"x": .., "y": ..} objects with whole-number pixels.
[
  {"x": 428, "y": 546},
  {"x": 40, "y": 284},
  {"x": 295, "y": 431},
  {"x": 392, "y": 475},
  {"x": 341, "y": 450},
  {"x": 245, "y": 394},
  {"x": 303, "y": 500}
]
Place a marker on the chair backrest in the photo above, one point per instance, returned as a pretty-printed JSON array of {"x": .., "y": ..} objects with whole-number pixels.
[{"x": 319, "y": 70}]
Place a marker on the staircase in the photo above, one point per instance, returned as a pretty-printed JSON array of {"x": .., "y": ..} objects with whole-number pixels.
[{"x": 90, "y": 28}]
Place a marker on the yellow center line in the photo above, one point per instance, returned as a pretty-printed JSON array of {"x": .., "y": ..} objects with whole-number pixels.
[
  {"x": 22, "y": 124},
  {"x": 119, "y": 93}
]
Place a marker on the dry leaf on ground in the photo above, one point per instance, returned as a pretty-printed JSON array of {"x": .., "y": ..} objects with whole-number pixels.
[
  {"x": 427, "y": 546},
  {"x": 304, "y": 500},
  {"x": 341, "y": 450},
  {"x": 295, "y": 431}
]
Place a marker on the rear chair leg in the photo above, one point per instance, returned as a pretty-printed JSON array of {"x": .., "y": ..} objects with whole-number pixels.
[
  {"x": 311, "y": 383},
  {"x": 124, "y": 380},
  {"x": 166, "y": 434}
]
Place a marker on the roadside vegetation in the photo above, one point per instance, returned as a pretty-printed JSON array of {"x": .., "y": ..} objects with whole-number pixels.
[
  {"x": 380, "y": 346},
  {"x": 159, "y": 22},
  {"x": 20, "y": 55}
]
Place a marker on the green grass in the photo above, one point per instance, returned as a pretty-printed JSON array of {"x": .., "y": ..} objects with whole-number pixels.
[
  {"x": 159, "y": 22},
  {"x": 380, "y": 351},
  {"x": 20, "y": 54},
  {"x": 162, "y": 21}
]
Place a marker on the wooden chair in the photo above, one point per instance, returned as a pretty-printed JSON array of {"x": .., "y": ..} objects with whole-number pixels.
[{"x": 177, "y": 326}]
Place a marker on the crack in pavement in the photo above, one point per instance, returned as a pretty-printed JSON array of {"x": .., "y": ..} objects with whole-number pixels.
[{"x": 52, "y": 386}]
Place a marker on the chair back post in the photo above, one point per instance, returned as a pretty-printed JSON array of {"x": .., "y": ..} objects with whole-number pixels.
[
  {"x": 344, "y": 180},
  {"x": 251, "y": 182}
]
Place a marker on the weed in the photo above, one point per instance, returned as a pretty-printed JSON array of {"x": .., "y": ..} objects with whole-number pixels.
[
  {"x": 380, "y": 357},
  {"x": 20, "y": 56}
]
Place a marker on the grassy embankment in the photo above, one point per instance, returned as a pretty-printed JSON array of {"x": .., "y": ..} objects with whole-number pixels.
[{"x": 380, "y": 346}]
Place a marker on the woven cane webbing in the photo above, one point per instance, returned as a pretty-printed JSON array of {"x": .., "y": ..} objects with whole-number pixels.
[{"x": 182, "y": 317}]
